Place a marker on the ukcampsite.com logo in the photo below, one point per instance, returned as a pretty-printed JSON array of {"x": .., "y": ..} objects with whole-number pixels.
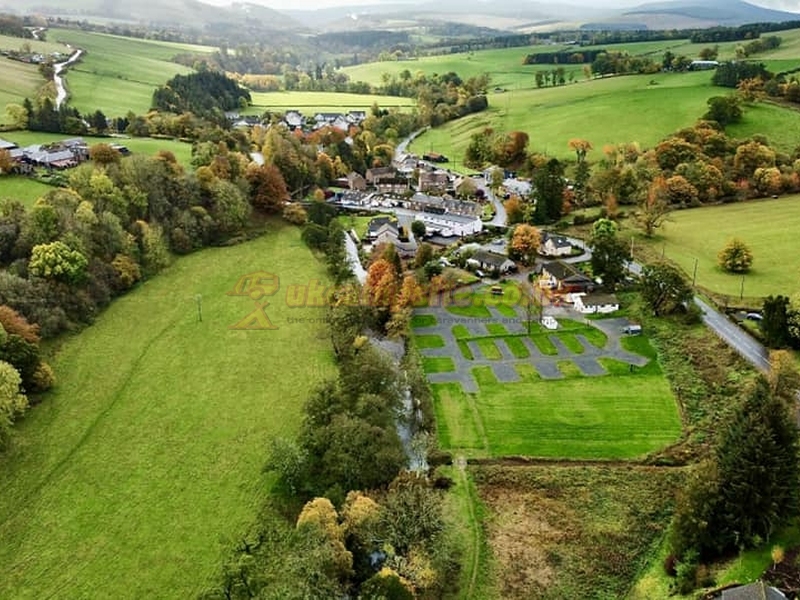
[{"x": 259, "y": 286}]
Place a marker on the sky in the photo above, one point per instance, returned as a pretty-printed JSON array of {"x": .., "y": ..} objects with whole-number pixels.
[{"x": 790, "y": 5}]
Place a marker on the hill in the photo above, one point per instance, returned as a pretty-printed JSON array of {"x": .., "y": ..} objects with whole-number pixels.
[
  {"x": 518, "y": 15},
  {"x": 186, "y": 14}
]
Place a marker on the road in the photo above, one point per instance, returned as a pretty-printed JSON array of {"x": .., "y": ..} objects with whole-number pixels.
[{"x": 59, "y": 80}]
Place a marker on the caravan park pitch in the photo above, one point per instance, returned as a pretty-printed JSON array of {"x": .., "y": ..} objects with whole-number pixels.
[
  {"x": 584, "y": 391},
  {"x": 135, "y": 475}
]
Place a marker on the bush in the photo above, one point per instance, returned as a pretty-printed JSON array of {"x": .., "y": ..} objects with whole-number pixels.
[
  {"x": 295, "y": 214},
  {"x": 43, "y": 378},
  {"x": 735, "y": 257}
]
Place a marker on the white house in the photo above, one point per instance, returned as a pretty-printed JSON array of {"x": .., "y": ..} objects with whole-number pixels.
[
  {"x": 595, "y": 303},
  {"x": 448, "y": 225},
  {"x": 554, "y": 245}
]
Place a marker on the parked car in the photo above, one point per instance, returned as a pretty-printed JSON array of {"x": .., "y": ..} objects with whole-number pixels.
[{"x": 754, "y": 316}]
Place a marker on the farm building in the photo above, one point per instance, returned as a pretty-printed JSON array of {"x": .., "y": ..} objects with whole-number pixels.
[{"x": 754, "y": 591}]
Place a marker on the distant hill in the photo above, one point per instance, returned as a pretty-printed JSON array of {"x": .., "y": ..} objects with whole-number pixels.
[
  {"x": 189, "y": 14},
  {"x": 687, "y": 14},
  {"x": 520, "y": 15}
]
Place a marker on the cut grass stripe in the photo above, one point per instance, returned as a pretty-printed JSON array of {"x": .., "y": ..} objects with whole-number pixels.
[
  {"x": 438, "y": 364},
  {"x": 429, "y": 341},
  {"x": 517, "y": 347},
  {"x": 488, "y": 349},
  {"x": 544, "y": 345},
  {"x": 423, "y": 321}
]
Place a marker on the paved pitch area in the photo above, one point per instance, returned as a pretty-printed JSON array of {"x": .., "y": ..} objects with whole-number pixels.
[{"x": 504, "y": 369}]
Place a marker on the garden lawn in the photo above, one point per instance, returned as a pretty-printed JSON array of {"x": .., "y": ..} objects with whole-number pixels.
[
  {"x": 134, "y": 476},
  {"x": 768, "y": 227},
  {"x": 619, "y": 416}
]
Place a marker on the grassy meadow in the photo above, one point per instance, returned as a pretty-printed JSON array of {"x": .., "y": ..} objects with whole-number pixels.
[
  {"x": 769, "y": 227},
  {"x": 554, "y": 532},
  {"x": 640, "y": 108},
  {"x": 134, "y": 476},
  {"x": 119, "y": 74},
  {"x": 311, "y": 102},
  {"x": 22, "y": 189},
  {"x": 17, "y": 81},
  {"x": 781, "y": 125}
]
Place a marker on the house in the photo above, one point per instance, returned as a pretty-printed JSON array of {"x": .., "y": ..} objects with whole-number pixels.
[
  {"x": 393, "y": 185},
  {"x": 400, "y": 237},
  {"x": 595, "y": 303},
  {"x": 355, "y": 181},
  {"x": 448, "y": 225},
  {"x": 563, "y": 278},
  {"x": 491, "y": 261},
  {"x": 436, "y": 182},
  {"x": 376, "y": 174},
  {"x": 293, "y": 119},
  {"x": 754, "y": 591},
  {"x": 554, "y": 245},
  {"x": 375, "y": 226},
  {"x": 356, "y": 117}
]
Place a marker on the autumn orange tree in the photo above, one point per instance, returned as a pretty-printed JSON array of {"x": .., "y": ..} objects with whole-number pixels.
[
  {"x": 654, "y": 209},
  {"x": 525, "y": 242}
]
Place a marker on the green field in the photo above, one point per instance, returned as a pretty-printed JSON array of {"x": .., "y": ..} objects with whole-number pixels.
[
  {"x": 17, "y": 81},
  {"x": 134, "y": 476},
  {"x": 147, "y": 146},
  {"x": 779, "y": 124},
  {"x": 119, "y": 74},
  {"x": 23, "y": 189},
  {"x": 310, "y": 102},
  {"x": 640, "y": 108},
  {"x": 769, "y": 227}
]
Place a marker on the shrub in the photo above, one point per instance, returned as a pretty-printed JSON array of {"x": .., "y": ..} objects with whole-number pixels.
[
  {"x": 295, "y": 214},
  {"x": 735, "y": 257},
  {"x": 43, "y": 378}
]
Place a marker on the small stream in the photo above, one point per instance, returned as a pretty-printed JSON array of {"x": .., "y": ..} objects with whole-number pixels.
[{"x": 355, "y": 261}]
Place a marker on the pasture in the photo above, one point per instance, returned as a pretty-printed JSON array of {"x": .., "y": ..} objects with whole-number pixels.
[
  {"x": 134, "y": 476},
  {"x": 119, "y": 74},
  {"x": 22, "y": 189},
  {"x": 769, "y": 227},
  {"x": 633, "y": 108},
  {"x": 310, "y": 102},
  {"x": 781, "y": 125},
  {"x": 17, "y": 81}
]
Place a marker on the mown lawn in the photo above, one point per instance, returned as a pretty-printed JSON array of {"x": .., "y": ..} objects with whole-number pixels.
[
  {"x": 625, "y": 414},
  {"x": 769, "y": 227},
  {"x": 132, "y": 478}
]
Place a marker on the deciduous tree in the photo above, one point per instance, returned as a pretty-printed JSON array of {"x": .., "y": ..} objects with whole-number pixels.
[
  {"x": 525, "y": 242},
  {"x": 654, "y": 209},
  {"x": 735, "y": 257},
  {"x": 664, "y": 288}
]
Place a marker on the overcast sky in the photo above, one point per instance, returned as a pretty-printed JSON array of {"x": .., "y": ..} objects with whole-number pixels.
[{"x": 790, "y": 5}]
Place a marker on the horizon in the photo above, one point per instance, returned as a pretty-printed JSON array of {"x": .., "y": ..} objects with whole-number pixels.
[{"x": 310, "y": 5}]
